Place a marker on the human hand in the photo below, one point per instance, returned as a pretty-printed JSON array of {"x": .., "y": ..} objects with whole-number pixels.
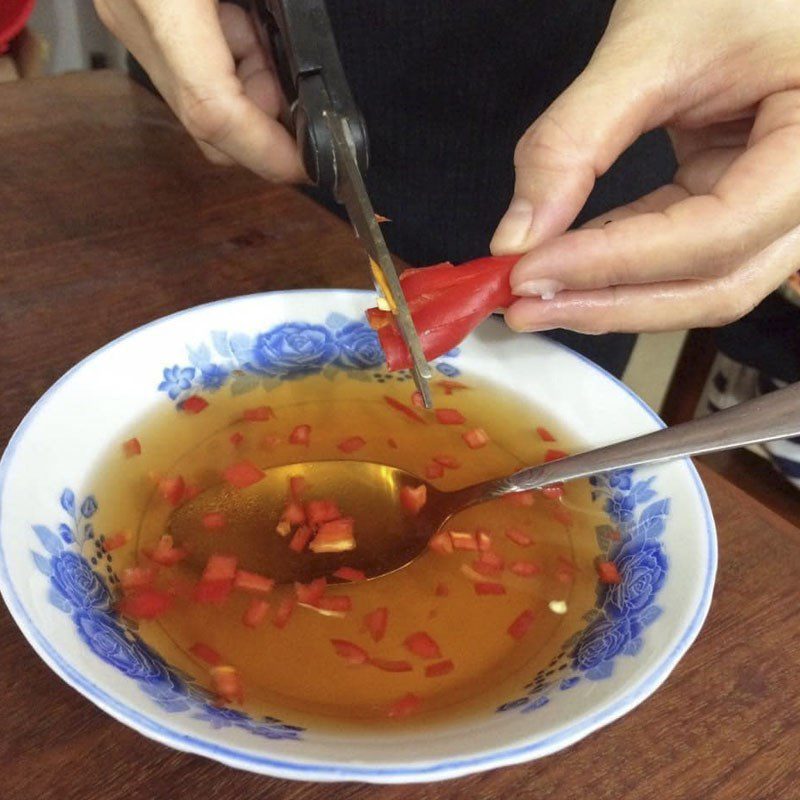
[
  {"x": 724, "y": 77},
  {"x": 205, "y": 60}
]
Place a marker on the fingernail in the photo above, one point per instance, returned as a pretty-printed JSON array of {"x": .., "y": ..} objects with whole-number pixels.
[
  {"x": 546, "y": 288},
  {"x": 512, "y": 231}
]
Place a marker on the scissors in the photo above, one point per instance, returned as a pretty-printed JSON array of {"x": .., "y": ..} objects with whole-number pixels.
[{"x": 332, "y": 139}]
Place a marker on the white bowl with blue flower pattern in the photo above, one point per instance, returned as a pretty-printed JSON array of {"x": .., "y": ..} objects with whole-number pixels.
[{"x": 625, "y": 648}]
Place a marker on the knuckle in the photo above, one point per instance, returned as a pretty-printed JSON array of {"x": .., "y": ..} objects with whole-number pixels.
[
  {"x": 546, "y": 142},
  {"x": 731, "y": 304},
  {"x": 205, "y": 115}
]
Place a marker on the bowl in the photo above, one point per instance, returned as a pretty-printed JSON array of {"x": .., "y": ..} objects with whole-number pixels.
[{"x": 621, "y": 648}]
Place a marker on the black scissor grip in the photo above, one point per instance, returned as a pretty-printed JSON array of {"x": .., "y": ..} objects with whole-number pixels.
[{"x": 300, "y": 38}]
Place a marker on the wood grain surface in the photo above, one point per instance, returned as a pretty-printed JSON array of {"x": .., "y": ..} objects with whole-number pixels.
[{"x": 109, "y": 219}]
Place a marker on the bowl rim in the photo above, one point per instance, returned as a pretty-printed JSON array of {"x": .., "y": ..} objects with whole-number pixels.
[{"x": 301, "y": 769}]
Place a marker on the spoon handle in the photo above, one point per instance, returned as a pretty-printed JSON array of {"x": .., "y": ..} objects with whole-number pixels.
[{"x": 773, "y": 416}]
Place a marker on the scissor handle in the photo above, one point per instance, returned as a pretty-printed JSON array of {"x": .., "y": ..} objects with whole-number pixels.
[{"x": 299, "y": 36}]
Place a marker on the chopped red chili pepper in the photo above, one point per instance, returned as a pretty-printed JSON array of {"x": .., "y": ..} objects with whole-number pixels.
[
  {"x": 131, "y": 448},
  {"x": 294, "y": 513},
  {"x": 476, "y": 438},
  {"x": 608, "y": 573},
  {"x": 283, "y": 612},
  {"x": 447, "y": 461},
  {"x": 521, "y": 625},
  {"x": 375, "y": 622},
  {"x": 310, "y": 593},
  {"x": 525, "y": 569},
  {"x": 352, "y": 444},
  {"x": 206, "y": 653},
  {"x": 489, "y": 587},
  {"x": 215, "y": 591},
  {"x": 252, "y": 582},
  {"x": 422, "y": 644},
  {"x": 439, "y": 668},
  {"x": 555, "y": 491},
  {"x": 242, "y": 474},
  {"x": 484, "y": 540},
  {"x": 403, "y": 409},
  {"x": 334, "y": 537},
  {"x": 545, "y": 435},
  {"x": 417, "y": 400},
  {"x": 236, "y": 438},
  {"x": 145, "y": 603},
  {"x": 463, "y": 540},
  {"x": 301, "y": 538},
  {"x": 301, "y": 435},
  {"x": 451, "y": 386},
  {"x": 137, "y": 577},
  {"x": 165, "y": 553},
  {"x": 434, "y": 471},
  {"x": 260, "y": 414},
  {"x": 194, "y": 404},
  {"x": 114, "y": 542},
  {"x": 339, "y": 602},
  {"x": 492, "y": 558},
  {"x": 450, "y": 416},
  {"x": 227, "y": 684},
  {"x": 320, "y": 511},
  {"x": 350, "y": 652},
  {"x": 214, "y": 520},
  {"x": 408, "y": 704},
  {"x": 486, "y": 569},
  {"x": 414, "y": 498},
  {"x": 255, "y": 613},
  {"x": 350, "y": 574},
  {"x": 554, "y": 455},
  {"x": 446, "y": 304},
  {"x": 220, "y": 568},
  {"x": 441, "y": 543},
  {"x": 441, "y": 590},
  {"x": 562, "y": 515},
  {"x": 297, "y": 487},
  {"x": 172, "y": 489},
  {"x": 520, "y": 499},
  {"x": 388, "y": 665},
  {"x": 519, "y": 537}
]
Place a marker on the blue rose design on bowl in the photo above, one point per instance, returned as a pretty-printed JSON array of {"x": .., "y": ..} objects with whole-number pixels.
[
  {"x": 77, "y": 582},
  {"x": 176, "y": 380},
  {"x": 213, "y": 376},
  {"x": 294, "y": 348},
  {"x": 131, "y": 656},
  {"x": 359, "y": 347},
  {"x": 620, "y": 507},
  {"x": 642, "y": 565},
  {"x": 602, "y": 640}
]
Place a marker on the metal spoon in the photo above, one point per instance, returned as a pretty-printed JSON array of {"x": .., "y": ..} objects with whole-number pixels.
[{"x": 389, "y": 538}]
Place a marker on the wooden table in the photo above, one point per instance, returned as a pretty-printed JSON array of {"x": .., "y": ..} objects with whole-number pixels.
[{"x": 108, "y": 219}]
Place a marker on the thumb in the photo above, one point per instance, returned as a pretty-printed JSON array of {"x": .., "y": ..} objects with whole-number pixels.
[{"x": 576, "y": 140}]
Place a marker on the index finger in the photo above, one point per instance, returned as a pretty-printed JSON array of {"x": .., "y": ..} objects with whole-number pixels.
[{"x": 755, "y": 202}]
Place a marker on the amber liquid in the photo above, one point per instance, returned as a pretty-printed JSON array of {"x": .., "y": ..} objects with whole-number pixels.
[{"x": 294, "y": 673}]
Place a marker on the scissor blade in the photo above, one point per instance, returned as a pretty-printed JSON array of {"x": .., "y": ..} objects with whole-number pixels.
[{"x": 352, "y": 192}]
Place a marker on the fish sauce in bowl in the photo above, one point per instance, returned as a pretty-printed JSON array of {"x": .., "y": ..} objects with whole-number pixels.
[{"x": 484, "y": 608}]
